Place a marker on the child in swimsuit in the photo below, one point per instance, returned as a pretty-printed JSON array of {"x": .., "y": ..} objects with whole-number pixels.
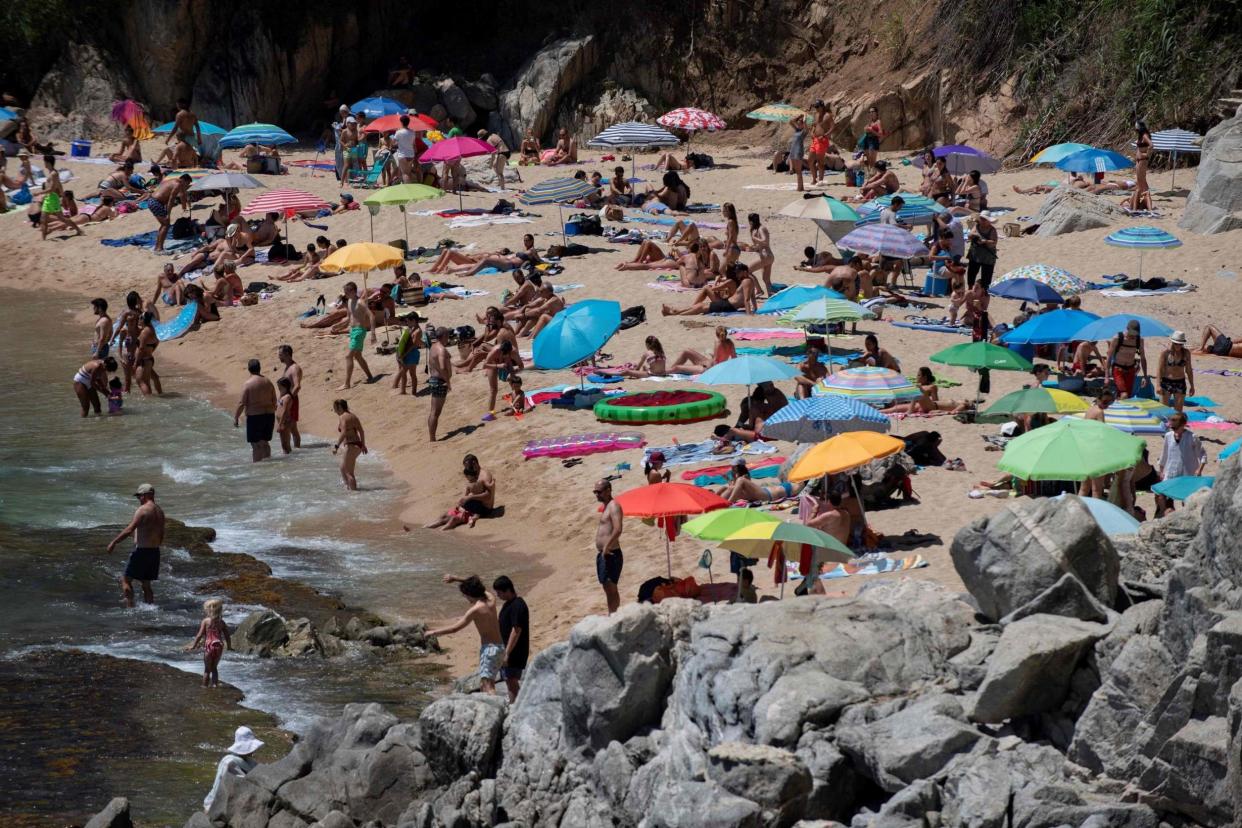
[
  {"x": 213, "y": 636},
  {"x": 116, "y": 397},
  {"x": 408, "y": 354}
]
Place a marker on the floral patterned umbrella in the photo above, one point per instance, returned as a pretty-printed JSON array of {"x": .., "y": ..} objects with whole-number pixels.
[
  {"x": 1062, "y": 281},
  {"x": 691, "y": 119}
]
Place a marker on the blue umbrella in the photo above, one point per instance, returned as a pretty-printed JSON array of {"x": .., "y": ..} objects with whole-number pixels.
[
  {"x": 795, "y": 296},
  {"x": 747, "y": 370},
  {"x": 378, "y": 107},
  {"x": 7, "y": 114},
  {"x": 1049, "y": 328},
  {"x": 961, "y": 159},
  {"x": 203, "y": 127},
  {"x": 576, "y": 333},
  {"x": 1056, "y": 152},
  {"x": 1230, "y": 450},
  {"x": 818, "y": 418},
  {"x": 1028, "y": 290},
  {"x": 1144, "y": 238},
  {"x": 1180, "y": 488},
  {"x": 1112, "y": 519},
  {"x": 1094, "y": 161},
  {"x": 268, "y": 134},
  {"x": 1110, "y": 326}
]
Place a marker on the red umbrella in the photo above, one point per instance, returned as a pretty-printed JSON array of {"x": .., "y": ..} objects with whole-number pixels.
[
  {"x": 666, "y": 502},
  {"x": 392, "y": 123},
  {"x": 285, "y": 202}
]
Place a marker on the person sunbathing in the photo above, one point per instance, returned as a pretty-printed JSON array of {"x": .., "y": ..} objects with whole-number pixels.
[
  {"x": 309, "y": 269},
  {"x": 451, "y": 256},
  {"x": 1217, "y": 344},
  {"x": 929, "y": 401},
  {"x": 669, "y": 161},
  {"x": 810, "y": 372},
  {"x": 724, "y": 295},
  {"x": 336, "y": 320},
  {"x": 103, "y": 212},
  {"x": 883, "y": 182},
  {"x": 744, "y": 488},
  {"x": 495, "y": 331},
  {"x": 565, "y": 151},
  {"x": 529, "y": 152},
  {"x": 818, "y": 262},
  {"x": 694, "y": 362},
  {"x": 675, "y": 194},
  {"x": 652, "y": 364},
  {"x": 527, "y": 290},
  {"x": 650, "y": 256},
  {"x": 683, "y": 234}
]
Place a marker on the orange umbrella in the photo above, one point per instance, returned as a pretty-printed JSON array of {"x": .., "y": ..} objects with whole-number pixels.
[{"x": 665, "y": 501}]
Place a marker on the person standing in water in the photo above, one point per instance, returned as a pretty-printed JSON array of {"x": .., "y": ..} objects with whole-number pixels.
[
  {"x": 355, "y": 440},
  {"x": 213, "y": 637},
  {"x": 359, "y": 323},
  {"x": 127, "y": 331},
  {"x": 103, "y": 328},
  {"x": 482, "y": 614},
  {"x": 608, "y": 557},
  {"x": 293, "y": 373},
  {"x": 147, "y": 527},
  {"x": 258, "y": 403}
]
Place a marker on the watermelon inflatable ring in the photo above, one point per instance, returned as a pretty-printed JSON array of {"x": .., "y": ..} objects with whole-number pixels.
[{"x": 661, "y": 407}]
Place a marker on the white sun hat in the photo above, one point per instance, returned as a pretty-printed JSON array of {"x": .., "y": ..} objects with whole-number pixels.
[{"x": 244, "y": 742}]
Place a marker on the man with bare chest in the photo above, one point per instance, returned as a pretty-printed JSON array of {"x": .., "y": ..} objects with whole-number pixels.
[{"x": 147, "y": 527}]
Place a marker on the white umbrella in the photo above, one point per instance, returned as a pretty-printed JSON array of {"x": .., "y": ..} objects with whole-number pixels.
[{"x": 227, "y": 181}]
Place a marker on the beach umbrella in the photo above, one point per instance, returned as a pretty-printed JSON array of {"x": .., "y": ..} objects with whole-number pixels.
[
  {"x": 576, "y": 333},
  {"x": 227, "y": 181},
  {"x": 884, "y": 240},
  {"x": 1060, "y": 280},
  {"x": 823, "y": 311},
  {"x": 869, "y": 384},
  {"x": 1110, "y": 326},
  {"x": 1056, "y": 152},
  {"x": 401, "y": 195},
  {"x": 1153, "y": 407},
  {"x": 1070, "y": 449},
  {"x": 783, "y": 541},
  {"x": 1094, "y": 161},
  {"x": 452, "y": 150},
  {"x": 557, "y": 191},
  {"x": 818, "y": 418},
  {"x": 1113, "y": 520},
  {"x": 691, "y": 119},
  {"x": 1026, "y": 290},
  {"x": 633, "y": 134},
  {"x": 267, "y": 134},
  {"x": 844, "y": 452},
  {"x": 667, "y": 501},
  {"x": 917, "y": 209},
  {"x": 1036, "y": 401},
  {"x": 284, "y": 201},
  {"x": 979, "y": 355},
  {"x": 1131, "y": 419},
  {"x": 748, "y": 370},
  {"x": 1175, "y": 142},
  {"x": 797, "y": 295},
  {"x": 203, "y": 127},
  {"x": 361, "y": 257},
  {"x": 378, "y": 107},
  {"x": 1144, "y": 238},
  {"x": 392, "y": 123},
  {"x": 961, "y": 159},
  {"x": 835, "y": 218},
  {"x": 719, "y": 524},
  {"x": 1049, "y": 328},
  {"x": 1181, "y": 488},
  {"x": 781, "y": 113}
]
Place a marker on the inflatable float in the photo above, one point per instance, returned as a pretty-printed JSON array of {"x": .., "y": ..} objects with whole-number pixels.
[
  {"x": 577, "y": 445},
  {"x": 179, "y": 324},
  {"x": 661, "y": 407}
]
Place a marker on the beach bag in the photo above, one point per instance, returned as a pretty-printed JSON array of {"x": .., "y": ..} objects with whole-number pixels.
[
  {"x": 503, "y": 207},
  {"x": 633, "y": 317},
  {"x": 701, "y": 159},
  {"x": 22, "y": 196},
  {"x": 647, "y": 590},
  {"x": 183, "y": 228},
  {"x": 588, "y": 224},
  {"x": 924, "y": 448},
  {"x": 679, "y": 588}
]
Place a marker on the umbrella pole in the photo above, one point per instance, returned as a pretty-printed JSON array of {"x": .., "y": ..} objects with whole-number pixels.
[
  {"x": 858, "y": 496},
  {"x": 405, "y": 218},
  {"x": 1173, "y": 180},
  {"x": 668, "y": 554},
  {"x": 371, "y": 218},
  {"x": 1140, "y": 263},
  {"x": 560, "y": 212}
]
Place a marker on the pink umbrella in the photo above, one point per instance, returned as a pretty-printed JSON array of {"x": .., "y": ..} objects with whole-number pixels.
[
  {"x": 454, "y": 149},
  {"x": 689, "y": 118},
  {"x": 287, "y": 203}
]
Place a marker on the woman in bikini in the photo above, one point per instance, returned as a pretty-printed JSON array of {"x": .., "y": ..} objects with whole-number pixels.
[
  {"x": 821, "y": 141},
  {"x": 694, "y": 362},
  {"x": 761, "y": 243},
  {"x": 1141, "y": 198},
  {"x": 90, "y": 381},
  {"x": 650, "y": 256},
  {"x": 944, "y": 185},
  {"x": 928, "y": 183},
  {"x": 562, "y": 153},
  {"x": 350, "y": 428},
  {"x": 969, "y": 193},
  {"x": 144, "y": 357},
  {"x": 731, "y": 228},
  {"x": 929, "y": 402},
  {"x": 529, "y": 152},
  {"x": 1175, "y": 372},
  {"x": 743, "y": 488},
  {"x": 653, "y": 363},
  {"x": 724, "y": 295},
  {"x": 873, "y": 134}
]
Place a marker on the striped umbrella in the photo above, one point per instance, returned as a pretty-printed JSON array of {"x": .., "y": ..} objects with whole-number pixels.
[
  {"x": 917, "y": 209},
  {"x": 1056, "y": 152},
  {"x": 203, "y": 127},
  {"x": 1144, "y": 238},
  {"x": 1131, "y": 419},
  {"x": 818, "y": 418},
  {"x": 795, "y": 296},
  {"x": 824, "y": 310},
  {"x": 557, "y": 191},
  {"x": 268, "y": 134},
  {"x": 1176, "y": 142},
  {"x": 285, "y": 201},
  {"x": 691, "y": 119},
  {"x": 1094, "y": 161},
  {"x": 835, "y": 218},
  {"x": 634, "y": 134},
  {"x": 781, "y": 113},
  {"x": 885, "y": 240},
  {"x": 868, "y": 384},
  {"x": 1062, "y": 281}
]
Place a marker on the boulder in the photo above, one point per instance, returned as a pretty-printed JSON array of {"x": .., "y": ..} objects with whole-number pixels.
[
  {"x": 799, "y": 699},
  {"x": 1014, "y": 557},
  {"x": 1146, "y": 557},
  {"x": 424, "y": 97},
  {"x": 1033, "y": 665},
  {"x": 530, "y": 778},
  {"x": 114, "y": 815},
  {"x": 484, "y": 93},
  {"x": 531, "y": 99},
  {"x": 75, "y": 98},
  {"x": 1215, "y": 203},
  {"x": 688, "y": 804},
  {"x": 775, "y": 779},
  {"x": 1067, "y": 597},
  {"x": 949, "y": 618},
  {"x": 456, "y": 102},
  {"x": 303, "y": 639},
  {"x": 461, "y": 734},
  {"x": 262, "y": 633},
  {"x": 1190, "y": 774},
  {"x": 833, "y": 781},
  {"x": 335, "y": 819},
  {"x": 1067, "y": 210}
]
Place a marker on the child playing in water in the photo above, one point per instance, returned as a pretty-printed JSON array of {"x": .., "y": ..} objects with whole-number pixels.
[
  {"x": 116, "y": 397},
  {"x": 284, "y": 413},
  {"x": 213, "y": 635},
  {"x": 408, "y": 354}
]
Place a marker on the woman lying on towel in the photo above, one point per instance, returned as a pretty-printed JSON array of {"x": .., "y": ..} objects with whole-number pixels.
[
  {"x": 929, "y": 402},
  {"x": 744, "y": 488}
]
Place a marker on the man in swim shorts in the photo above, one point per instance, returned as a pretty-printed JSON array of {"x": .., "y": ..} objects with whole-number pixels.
[
  {"x": 50, "y": 208},
  {"x": 147, "y": 527},
  {"x": 608, "y": 557},
  {"x": 360, "y": 321},
  {"x": 482, "y": 614},
  {"x": 440, "y": 372},
  {"x": 293, "y": 373},
  {"x": 258, "y": 401},
  {"x": 160, "y": 203}
]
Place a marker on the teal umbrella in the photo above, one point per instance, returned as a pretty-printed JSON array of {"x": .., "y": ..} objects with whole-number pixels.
[
  {"x": 1180, "y": 488},
  {"x": 203, "y": 127},
  {"x": 1112, "y": 519},
  {"x": 747, "y": 370},
  {"x": 576, "y": 333}
]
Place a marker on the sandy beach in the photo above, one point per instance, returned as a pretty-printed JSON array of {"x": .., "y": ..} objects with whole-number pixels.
[{"x": 549, "y": 509}]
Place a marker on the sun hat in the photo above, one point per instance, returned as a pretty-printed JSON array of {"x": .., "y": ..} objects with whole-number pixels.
[
  {"x": 1179, "y": 337},
  {"x": 657, "y": 457},
  {"x": 145, "y": 489},
  {"x": 244, "y": 742},
  {"x": 351, "y": 120}
]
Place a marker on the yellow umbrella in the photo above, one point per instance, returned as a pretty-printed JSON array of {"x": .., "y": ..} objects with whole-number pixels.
[
  {"x": 785, "y": 541},
  {"x": 844, "y": 452},
  {"x": 361, "y": 257}
]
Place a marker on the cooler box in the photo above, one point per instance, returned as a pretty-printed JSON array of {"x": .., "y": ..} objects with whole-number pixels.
[
  {"x": 571, "y": 228},
  {"x": 936, "y": 284},
  {"x": 80, "y": 149}
]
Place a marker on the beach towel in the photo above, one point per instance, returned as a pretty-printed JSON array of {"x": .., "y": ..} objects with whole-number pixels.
[
  {"x": 1220, "y": 372},
  {"x": 726, "y": 468},
  {"x": 786, "y": 187},
  {"x": 1201, "y": 402},
  {"x": 748, "y": 334},
  {"x": 825, "y": 359},
  {"x": 566, "y": 288},
  {"x": 1120, "y": 293},
  {"x": 965, "y": 331},
  {"x": 1211, "y": 426},
  {"x": 670, "y": 378},
  {"x": 148, "y": 240},
  {"x": 684, "y": 454},
  {"x": 671, "y": 287},
  {"x": 702, "y": 208},
  {"x": 705, "y": 225},
  {"x": 463, "y": 292},
  {"x": 484, "y": 221},
  {"x": 879, "y": 567},
  {"x": 757, "y": 473}
]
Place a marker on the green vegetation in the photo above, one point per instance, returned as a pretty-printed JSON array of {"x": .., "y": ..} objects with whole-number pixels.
[{"x": 1087, "y": 70}]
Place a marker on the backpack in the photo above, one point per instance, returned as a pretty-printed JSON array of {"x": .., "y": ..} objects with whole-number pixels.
[
  {"x": 588, "y": 224},
  {"x": 924, "y": 448},
  {"x": 701, "y": 160},
  {"x": 184, "y": 228},
  {"x": 503, "y": 207}
]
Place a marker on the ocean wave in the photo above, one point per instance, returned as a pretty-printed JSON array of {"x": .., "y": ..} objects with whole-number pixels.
[{"x": 185, "y": 476}]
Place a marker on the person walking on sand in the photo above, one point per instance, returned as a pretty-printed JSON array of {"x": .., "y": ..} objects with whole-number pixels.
[
  {"x": 440, "y": 367},
  {"x": 147, "y": 527},
  {"x": 258, "y": 402},
  {"x": 293, "y": 373},
  {"x": 482, "y": 614},
  {"x": 50, "y": 208},
  {"x": 160, "y": 203},
  {"x": 213, "y": 637},
  {"x": 608, "y": 557},
  {"x": 514, "y": 632},
  {"x": 355, "y": 439},
  {"x": 359, "y": 323}
]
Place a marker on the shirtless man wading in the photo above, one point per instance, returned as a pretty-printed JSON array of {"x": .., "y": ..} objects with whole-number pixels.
[
  {"x": 293, "y": 373},
  {"x": 147, "y": 527},
  {"x": 359, "y": 324},
  {"x": 258, "y": 402},
  {"x": 608, "y": 558},
  {"x": 482, "y": 614}
]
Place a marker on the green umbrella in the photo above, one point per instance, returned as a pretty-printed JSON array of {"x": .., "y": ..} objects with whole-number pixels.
[
  {"x": 981, "y": 355},
  {"x": 823, "y": 311},
  {"x": 721, "y": 523},
  {"x": 401, "y": 194},
  {"x": 1070, "y": 449},
  {"x": 1037, "y": 401}
]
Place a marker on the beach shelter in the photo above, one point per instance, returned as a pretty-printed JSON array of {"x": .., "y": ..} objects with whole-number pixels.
[
  {"x": 1035, "y": 401},
  {"x": 1059, "y": 279},
  {"x": 203, "y": 127},
  {"x": 287, "y": 202},
  {"x": 816, "y": 419},
  {"x": 452, "y": 150},
  {"x": 1109, "y": 326},
  {"x": 785, "y": 540},
  {"x": 267, "y": 134},
  {"x": 781, "y": 113},
  {"x": 796, "y": 296},
  {"x": 1094, "y": 161},
  {"x": 1054, "y": 153},
  {"x": 400, "y": 195},
  {"x": 1070, "y": 449},
  {"x": 1026, "y": 290},
  {"x": 1053, "y": 327},
  {"x": 667, "y": 502},
  {"x": 1176, "y": 142},
  {"x": 1132, "y": 420},
  {"x": 378, "y": 107},
  {"x": 883, "y": 240},
  {"x": 917, "y": 209},
  {"x": 557, "y": 191},
  {"x": 692, "y": 120},
  {"x": 870, "y": 384},
  {"x": 844, "y": 452},
  {"x": 721, "y": 523},
  {"x": 1181, "y": 488},
  {"x": 1143, "y": 238},
  {"x": 1113, "y": 520},
  {"x": 576, "y": 333}
]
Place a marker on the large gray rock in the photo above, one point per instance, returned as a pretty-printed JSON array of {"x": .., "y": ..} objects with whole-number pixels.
[
  {"x": 75, "y": 97},
  {"x": 702, "y": 805},
  {"x": 1033, "y": 665},
  {"x": 456, "y": 102},
  {"x": 531, "y": 99},
  {"x": 261, "y": 633},
  {"x": 530, "y": 780},
  {"x": 1190, "y": 774},
  {"x": 1067, "y": 210},
  {"x": 461, "y": 734},
  {"x": 775, "y": 779},
  {"x": 114, "y": 815},
  {"x": 1215, "y": 203},
  {"x": 1147, "y": 556},
  {"x": 947, "y": 614},
  {"x": 1014, "y": 557}
]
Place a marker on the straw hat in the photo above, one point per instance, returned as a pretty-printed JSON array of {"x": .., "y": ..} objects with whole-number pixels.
[
  {"x": 244, "y": 742},
  {"x": 1178, "y": 337}
]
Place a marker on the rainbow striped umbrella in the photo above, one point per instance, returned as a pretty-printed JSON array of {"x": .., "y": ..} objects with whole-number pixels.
[
  {"x": 1062, "y": 281},
  {"x": 285, "y": 201},
  {"x": 1144, "y": 238},
  {"x": 884, "y": 240},
  {"x": 1131, "y": 419},
  {"x": 781, "y": 113},
  {"x": 869, "y": 384}
]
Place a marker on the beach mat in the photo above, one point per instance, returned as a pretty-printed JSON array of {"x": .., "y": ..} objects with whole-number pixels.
[
  {"x": 683, "y": 454},
  {"x": 915, "y": 326},
  {"x": 879, "y": 567}
]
